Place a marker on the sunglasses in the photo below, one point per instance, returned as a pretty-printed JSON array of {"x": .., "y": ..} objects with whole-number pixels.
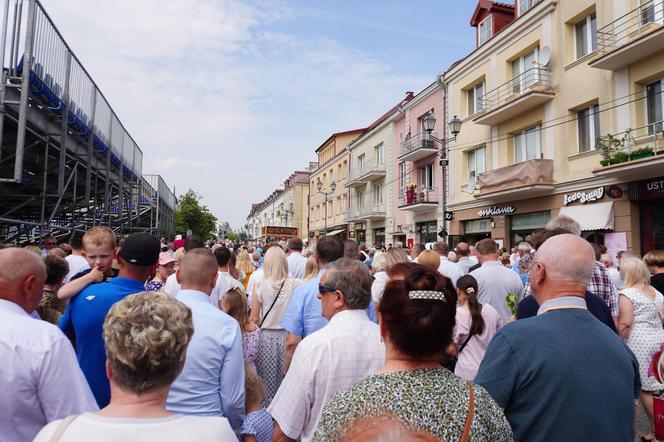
[{"x": 325, "y": 289}]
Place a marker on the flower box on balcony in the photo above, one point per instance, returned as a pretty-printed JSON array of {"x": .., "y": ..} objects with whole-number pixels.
[{"x": 641, "y": 153}]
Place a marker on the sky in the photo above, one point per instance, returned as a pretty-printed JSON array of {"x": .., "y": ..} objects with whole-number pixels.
[{"x": 229, "y": 97}]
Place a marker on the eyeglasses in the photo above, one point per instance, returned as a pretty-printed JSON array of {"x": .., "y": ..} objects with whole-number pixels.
[{"x": 325, "y": 289}]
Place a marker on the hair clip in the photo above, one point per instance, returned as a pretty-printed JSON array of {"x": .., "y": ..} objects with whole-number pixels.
[
  {"x": 470, "y": 290},
  {"x": 427, "y": 294}
]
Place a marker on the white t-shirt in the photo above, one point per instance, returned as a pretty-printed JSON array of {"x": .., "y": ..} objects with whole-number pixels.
[
  {"x": 76, "y": 265},
  {"x": 296, "y": 265},
  {"x": 89, "y": 426},
  {"x": 172, "y": 287}
]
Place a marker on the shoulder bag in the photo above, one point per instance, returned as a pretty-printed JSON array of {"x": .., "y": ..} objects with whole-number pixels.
[
  {"x": 273, "y": 302},
  {"x": 451, "y": 362}
]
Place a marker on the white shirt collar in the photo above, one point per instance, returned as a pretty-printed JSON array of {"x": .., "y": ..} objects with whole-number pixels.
[{"x": 12, "y": 307}]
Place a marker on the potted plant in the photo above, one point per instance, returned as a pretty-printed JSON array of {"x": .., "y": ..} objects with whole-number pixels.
[
  {"x": 608, "y": 147},
  {"x": 620, "y": 157},
  {"x": 410, "y": 193},
  {"x": 644, "y": 152}
]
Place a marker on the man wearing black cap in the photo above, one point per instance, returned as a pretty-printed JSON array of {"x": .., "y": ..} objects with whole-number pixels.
[{"x": 85, "y": 313}]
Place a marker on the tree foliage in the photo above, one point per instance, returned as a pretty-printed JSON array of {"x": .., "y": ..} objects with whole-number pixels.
[
  {"x": 191, "y": 215},
  {"x": 231, "y": 236}
]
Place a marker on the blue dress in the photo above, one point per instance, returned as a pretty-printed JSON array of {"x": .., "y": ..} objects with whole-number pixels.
[{"x": 258, "y": 424}]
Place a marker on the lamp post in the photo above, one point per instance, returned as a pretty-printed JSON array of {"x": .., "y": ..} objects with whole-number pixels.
[
  {"x": 319, "y": 185},
  {"x": 429, "y": 122},
  {"x": 285, "y": 211}
]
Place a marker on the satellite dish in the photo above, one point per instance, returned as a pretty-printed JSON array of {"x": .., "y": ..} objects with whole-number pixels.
[
  {"x": 545, "y": 56},
  {"x": 472, "y": 183}
]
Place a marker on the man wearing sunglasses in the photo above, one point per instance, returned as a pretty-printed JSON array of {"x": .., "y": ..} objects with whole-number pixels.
[{"x": 345, "y": 351}]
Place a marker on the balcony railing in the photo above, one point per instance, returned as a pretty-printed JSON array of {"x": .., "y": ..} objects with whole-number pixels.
[
  {"x": 537, "y": 78},
  {"x": 421, "y": 199},
  {"x": 368, "y": 170},
  {"x": 632, "y": 37},
  {"x": 418, "y": 146},
  {"x": 366, "y": 212},
  {"x": 521, "y": 177}
]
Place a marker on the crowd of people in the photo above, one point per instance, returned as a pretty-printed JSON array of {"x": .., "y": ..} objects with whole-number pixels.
[{"x": 141, "y": 339}]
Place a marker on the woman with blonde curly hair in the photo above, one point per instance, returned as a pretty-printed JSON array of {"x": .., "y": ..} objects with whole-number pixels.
[
  {"x": 244, "y": 265},
  {"x": 146, "y": 337}
]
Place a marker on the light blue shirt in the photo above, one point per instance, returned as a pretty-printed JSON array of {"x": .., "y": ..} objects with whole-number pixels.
[
  {"x": 304, "y": 313},
  {"x": 212, "y": 381}
]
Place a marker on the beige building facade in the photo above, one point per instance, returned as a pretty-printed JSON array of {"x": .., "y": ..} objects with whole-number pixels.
[
  {"x": 560, "y": 91},
  {"x": 328, "y": 196}
]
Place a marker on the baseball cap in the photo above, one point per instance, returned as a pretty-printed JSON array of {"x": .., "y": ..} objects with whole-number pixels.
[
  {"x": 166, "y": 258},
  {"x": 140, "y": 249}
]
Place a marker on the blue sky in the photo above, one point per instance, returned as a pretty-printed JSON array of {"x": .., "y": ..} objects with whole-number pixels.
[{"x": 228, "y": 97}]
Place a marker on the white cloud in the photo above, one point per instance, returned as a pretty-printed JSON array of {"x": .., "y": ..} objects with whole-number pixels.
[{"x": 218, "y": 102}]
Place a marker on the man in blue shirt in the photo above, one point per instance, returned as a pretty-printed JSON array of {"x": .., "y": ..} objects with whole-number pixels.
[
  {"x": 562, "y": 375},
  {"x": 212, "y": 380},
  {"x": 85, "y": 313}
]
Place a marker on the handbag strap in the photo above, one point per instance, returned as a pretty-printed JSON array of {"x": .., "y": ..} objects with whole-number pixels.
[
  {"x": 62, "y": 427},
  {"x": 273, "y": 302},
  {"x": 465, "y": 342},
  {"x": 471, "y": 413}
]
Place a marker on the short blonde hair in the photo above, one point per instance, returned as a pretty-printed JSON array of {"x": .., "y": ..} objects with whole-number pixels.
[
  {"x": 394, "y": 256},
  {"x": 244, "y": 262},
  {"x": 179, "y": 254},
  {"x": 311, "y": 268},
  {"x": 100, "y": 236},
  {"x": 634, "y": 273},
  {"x": 146, "y": 337},
  {"x": 654, "y": 258},
  {"x": 275, "y": 264},
  {"x": 430, "y": 259}
]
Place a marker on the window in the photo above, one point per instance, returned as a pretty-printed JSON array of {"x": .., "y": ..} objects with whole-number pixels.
[
  {"x": 587, "y": 121},
  {"x": 651, "y": 12},
  {"x": 378, "y": 154},
  {"x": 525, "y": 71},
  {"x": 476, "y": 162},
  {"x": 340, "y": 207},
  {"x": 527, "y": 145},
  {"x": 360, "y": 163},
  {"x": 525, "y": 5},
  {"x": 475, "y": 95},
  {"x": 426, "y": 177},
  {"x": 484, "y": 30},
  {"x": 378, "y": 194},
  {"x": 585, "y": 36},
  {"x": 654, "y": 105},
  {"x": 403, "y": 178},
  {"x": 360, "y": 199}
]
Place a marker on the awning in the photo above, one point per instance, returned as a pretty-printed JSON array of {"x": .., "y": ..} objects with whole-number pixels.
[
  {"x": 598, "y": 216},
  {"x": 335, "y": 232}
]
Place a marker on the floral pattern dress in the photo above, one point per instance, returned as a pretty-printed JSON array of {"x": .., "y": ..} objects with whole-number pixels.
[
  {"x": 251, "y": 342},
  {"x": 154, "y": 286},
  {"x": 432, "y": 400}
]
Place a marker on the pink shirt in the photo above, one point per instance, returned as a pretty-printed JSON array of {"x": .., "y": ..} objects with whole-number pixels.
[{"x": 470, "y": 358}]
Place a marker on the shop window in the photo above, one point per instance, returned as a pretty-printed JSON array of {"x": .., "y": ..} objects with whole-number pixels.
[
  {"x": 654, "y": 105},
  {"x": 527, "y": 145},
  {"x": 587, "y": 121},
  {"x": 585, "y": 36},
  {"x": 403, "y": 178},
  {"x": 476, "y": 162},
  {"x": 475, "y": 95},
  {"x": 426, "y": 177},
  {"x": 477, "y": 226},
  {"x": 525, "y": 72},
  {"x": 523, "y": 226},
  {"x": 484, "y": 30}
]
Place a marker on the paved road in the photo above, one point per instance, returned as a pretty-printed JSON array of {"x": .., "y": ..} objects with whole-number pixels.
[{"x": 642, "y": 424}]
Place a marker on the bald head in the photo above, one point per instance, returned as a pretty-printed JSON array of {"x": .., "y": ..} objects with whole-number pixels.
[
  {"x": 566, "y": 264},
  {"x": 22, "y": 276},
  {"x": 57, "y": 251},
  {"x": 198, "y": 270}
]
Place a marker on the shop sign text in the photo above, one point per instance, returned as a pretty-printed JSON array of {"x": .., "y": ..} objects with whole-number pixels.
[
  {"x": 584, "y": 197},
  {"x": 493, "y": 211}
]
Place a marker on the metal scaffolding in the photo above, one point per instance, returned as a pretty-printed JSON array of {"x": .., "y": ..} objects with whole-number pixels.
[{"x": 67, "y": 163}]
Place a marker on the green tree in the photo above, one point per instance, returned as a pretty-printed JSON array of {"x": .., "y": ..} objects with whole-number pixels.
[
  {"x": 191, "y": 215},
  {"x": 231, "y": 236}
]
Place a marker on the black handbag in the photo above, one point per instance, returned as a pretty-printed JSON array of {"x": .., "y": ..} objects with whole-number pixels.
[{"x": 451, "y": 361}]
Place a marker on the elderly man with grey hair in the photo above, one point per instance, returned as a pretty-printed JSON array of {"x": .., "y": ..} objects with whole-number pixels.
[
  {"x": 345, "y": 351},
  {"x": 562, "y": 375}
]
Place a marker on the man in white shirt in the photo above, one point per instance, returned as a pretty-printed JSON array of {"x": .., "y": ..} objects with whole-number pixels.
[
  {"x": 296, "y": 262},
  {"x": 40, "y": 379},
  {"x": 494, "y": 280},
  {"x": 447, "y": 268},
  {"x": 77, "y": 262},
  {"x": 614, "y": 273},
  {"x": 463, "y": 252},
  {"x": 345, "y": 351},
  {"x": 223, "y": 256}
]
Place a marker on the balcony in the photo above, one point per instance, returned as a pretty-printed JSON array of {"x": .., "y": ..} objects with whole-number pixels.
[
  {"x": 369, "y": 170},
  {"x": 422, "y": 201},
  {"x": 417, "y": 147},
  {"x": 527, "y": 178},
  {"x": 633, "y": 155},
  {"x": 368, "y": 212},
  {"x": 522, "y": 93},
  {"x": 635, "y": 36}
]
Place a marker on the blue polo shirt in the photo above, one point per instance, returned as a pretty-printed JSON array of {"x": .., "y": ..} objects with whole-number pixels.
[
  {"x": 304, "y": 313},
  {"x": 84, "y": 319}
]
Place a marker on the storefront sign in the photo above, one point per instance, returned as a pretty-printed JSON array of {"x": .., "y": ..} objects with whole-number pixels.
[
  {"x": 493, "y": 211},
  {"x": 649, "y": 189},
  {"x": 584, "y": 197},
  {"x": 279, "y": 231},
  {"x": 359, "y": 226},
  {"x": 449, "y": 216}
]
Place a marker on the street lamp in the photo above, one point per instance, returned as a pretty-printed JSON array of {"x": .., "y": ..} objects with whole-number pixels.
[
  {"x": 285, "y": 211},
  {"x": 429, "y": 122},
  {"x": 319, "y": 186}
]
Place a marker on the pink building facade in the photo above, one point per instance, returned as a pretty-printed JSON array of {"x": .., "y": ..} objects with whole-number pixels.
[{"x": 417, "y": 211}]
